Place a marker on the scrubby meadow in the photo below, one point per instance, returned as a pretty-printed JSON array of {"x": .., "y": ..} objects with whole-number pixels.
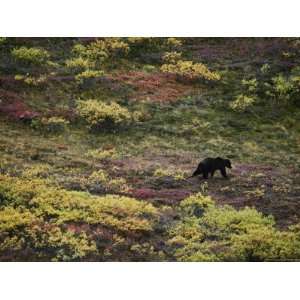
[{"x": 98, "y": 136}]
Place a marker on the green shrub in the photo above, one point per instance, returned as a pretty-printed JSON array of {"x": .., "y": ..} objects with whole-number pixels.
[
  {"x": 78, "y": 64},
  {"x": 43, "y": 222},
  {"x": 174, "y": 42},
  {"x": 23, "y": 236},
  {"x": 31, "y": 56},
  {"x": 210, "y": 233},
  {"x": 265, "y": 69},
  {"x": 242, "y": 103},
  {"x": 172, "y": 57},
  {"x": 101, "y": 51},
  {"x": 31, "y": 80},
  {"x": 250, "y": 86},
  {"x": 87, "y": 75},
  {"x": 190, "y": 70},
  {"x": 282, "y": 90},
  {"x": 99, "y": 115},
  {"x": 17, "y": 192}
]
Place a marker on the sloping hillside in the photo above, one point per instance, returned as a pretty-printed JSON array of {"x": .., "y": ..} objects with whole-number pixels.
[{"x": 98, "y": 136}]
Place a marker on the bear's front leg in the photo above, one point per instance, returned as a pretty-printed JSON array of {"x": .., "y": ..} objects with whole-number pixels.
[
  {"x": 205, "y": 175},
  {"x": 223, "y": 172}
]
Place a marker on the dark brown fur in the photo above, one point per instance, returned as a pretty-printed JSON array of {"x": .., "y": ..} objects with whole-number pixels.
[{"x": 210, "y": 165}]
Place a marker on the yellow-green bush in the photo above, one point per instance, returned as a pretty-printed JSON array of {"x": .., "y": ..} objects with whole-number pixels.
[
  {"x": 32, "y": 80},
  {"x": 242, "y": 103},
  {"x": 78, "y": 64},
  {"x": 172, "y": 57},
  {"x": 17, "y": 191},
  {"x": 100, "y": 51},
  {"x": 101, "y": 115},
  {"x": 190, "y": 70},
  {"x": 210, "y": 233},
  {"x": 88, "y": 75},
  {"x": 23, "y": 236},
  {"x": 42, "y": 222},
  {"x": 175, "y": 42},
  {"x": 34, "y": 56},
  {"x": 283, "y": 90}
]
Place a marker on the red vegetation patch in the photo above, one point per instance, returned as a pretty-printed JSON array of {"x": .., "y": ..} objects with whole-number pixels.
[
  {"x": 166, "y": 196},
  {"x": 153, "y": 86},
  {"x": 13, "y": 106}
]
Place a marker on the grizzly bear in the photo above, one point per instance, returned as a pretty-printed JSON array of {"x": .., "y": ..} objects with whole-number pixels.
[{"x": 210, "y": 165}]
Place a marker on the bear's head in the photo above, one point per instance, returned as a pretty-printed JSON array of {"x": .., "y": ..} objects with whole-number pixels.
[{"x": 227, "y": 163}]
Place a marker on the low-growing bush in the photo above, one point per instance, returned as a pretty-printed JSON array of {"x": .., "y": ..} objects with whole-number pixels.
[
  {"x": 283, "y": 90},
  {"x": 174, "y": 42},
  {"x": 30, "y": 56},
  {"x": 31, "y": 80},
  {"x": 99, "y": 115},
  {"x": 42, "y": 222},
  {"x": 102, "y": 51},
  {"x": 250, "y": 86},
  {"x": 78, "y": 64},
  {"x": 210, "y": 233},
  {"x": 280, "y": 90},
  {"x": 242, "y": 103},
  {"x": 24, "y": 236},
  {"x": 88, "y": 76},
  {"x": 172, "y": 57},
  {"x": 190, "y": 70}
]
